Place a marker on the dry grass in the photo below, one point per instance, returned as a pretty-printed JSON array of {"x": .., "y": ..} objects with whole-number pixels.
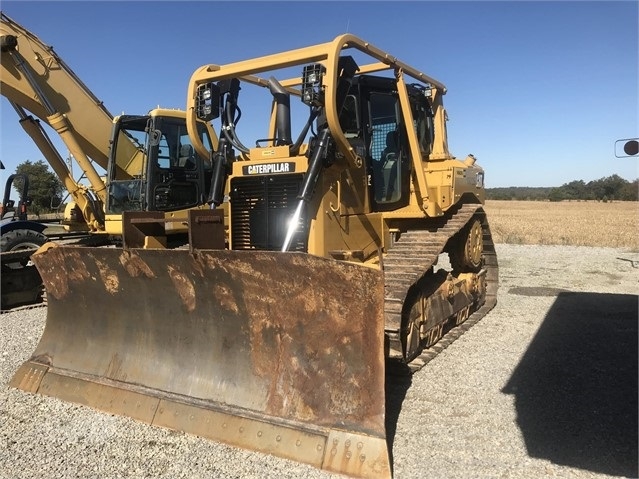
[{"x": 577, "y": 223}]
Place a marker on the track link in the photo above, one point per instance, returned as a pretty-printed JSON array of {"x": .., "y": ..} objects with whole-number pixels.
[{"x": 412, "y": 255}]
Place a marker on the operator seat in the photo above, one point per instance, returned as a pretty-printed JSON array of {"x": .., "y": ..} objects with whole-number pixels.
[
  {"x": 387, "y": 187},
  {"x": 391, "y": 151},
  {"x": 185, "y": 160}
]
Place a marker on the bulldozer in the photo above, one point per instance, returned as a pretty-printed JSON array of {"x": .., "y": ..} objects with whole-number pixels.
[
  {"x": 334, "y": 246},
  {"x": 150, "y": 161}
]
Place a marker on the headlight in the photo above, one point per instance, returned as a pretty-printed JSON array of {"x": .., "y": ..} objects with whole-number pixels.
[
  {"x": 312, "y": 93},
  {"x": 207, "y": 101}
]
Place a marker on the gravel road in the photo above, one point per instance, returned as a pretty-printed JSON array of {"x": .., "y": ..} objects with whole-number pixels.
[{"x": 544, "y": 386}]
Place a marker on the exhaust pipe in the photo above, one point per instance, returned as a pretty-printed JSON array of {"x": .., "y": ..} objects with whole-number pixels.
[{"x": 283, "y": 118}]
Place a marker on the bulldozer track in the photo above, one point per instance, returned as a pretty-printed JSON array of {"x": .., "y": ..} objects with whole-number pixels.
[{"x": 411, "y": 256}]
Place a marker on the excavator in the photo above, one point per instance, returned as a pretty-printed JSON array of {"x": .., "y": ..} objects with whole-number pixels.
[
  {"x": 352, "y": 239},
  {"x": 149, "y": 158}
]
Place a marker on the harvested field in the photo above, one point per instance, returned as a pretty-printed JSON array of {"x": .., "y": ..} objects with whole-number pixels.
[{"x": 570, "y": 223}]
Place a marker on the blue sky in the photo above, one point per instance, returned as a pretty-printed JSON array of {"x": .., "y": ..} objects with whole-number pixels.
[{"x": 538, "y": 91}]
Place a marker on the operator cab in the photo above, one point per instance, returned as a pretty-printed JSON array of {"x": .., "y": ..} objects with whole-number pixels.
[
  {"x": 153, "y": 166},
  {"x": 372, "y": 122}
]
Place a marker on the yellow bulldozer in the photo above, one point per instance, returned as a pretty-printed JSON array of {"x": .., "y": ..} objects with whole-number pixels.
[{"x": 333, "y": 246}]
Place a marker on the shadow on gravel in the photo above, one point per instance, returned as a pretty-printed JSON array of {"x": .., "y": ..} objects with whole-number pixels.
[
  {"x": 398, "y": 381},
  {"x": 576, "y": 386}
]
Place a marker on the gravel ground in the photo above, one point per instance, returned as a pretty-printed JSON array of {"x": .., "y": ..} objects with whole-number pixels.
[{"x": 545, "y": 385}]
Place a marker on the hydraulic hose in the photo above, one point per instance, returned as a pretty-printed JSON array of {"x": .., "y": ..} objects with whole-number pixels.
[
  {"x": 296, "y": 146},
  {"x": 315, "y": 165},
  {"x": 216, "y": 193}
]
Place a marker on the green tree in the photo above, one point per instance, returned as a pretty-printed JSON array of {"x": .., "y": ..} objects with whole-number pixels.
[
  {"x": 557, "y": 194},
  {"x": 575, "y": 190},
  {"x": 630, "y": 191},
  {"x": 608, "y": 187},
  {"x": 45, "y": 189}
]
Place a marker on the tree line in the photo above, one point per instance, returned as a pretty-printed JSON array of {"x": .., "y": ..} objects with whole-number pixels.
[{"x": 609, "y": 188}]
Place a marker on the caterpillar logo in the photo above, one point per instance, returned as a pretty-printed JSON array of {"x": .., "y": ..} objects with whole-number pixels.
[{"x": 268, "y": 168}]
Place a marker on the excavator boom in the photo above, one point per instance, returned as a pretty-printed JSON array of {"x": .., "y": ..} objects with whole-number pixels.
[{"x": 33, "y": 76}]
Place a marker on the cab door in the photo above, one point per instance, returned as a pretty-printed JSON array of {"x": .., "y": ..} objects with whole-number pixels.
[
  {"x": 387, "y": 153},
  {"x": 176, "y": 176}
]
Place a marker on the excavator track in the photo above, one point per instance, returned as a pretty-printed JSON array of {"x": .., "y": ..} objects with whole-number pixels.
[{"x": 413, "y": 254}]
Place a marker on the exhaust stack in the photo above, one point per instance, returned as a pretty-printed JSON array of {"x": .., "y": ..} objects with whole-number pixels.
[{"x": 283, "y": 117}]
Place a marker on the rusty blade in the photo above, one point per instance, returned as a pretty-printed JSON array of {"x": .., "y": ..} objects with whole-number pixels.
[{"x": 270, "y": 351}]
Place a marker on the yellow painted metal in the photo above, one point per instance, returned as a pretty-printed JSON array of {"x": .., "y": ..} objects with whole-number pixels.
[
  {"x": 90, "y": 119},
  {"x": 418, "y": 160},
  {"x": 440, "y": 143},
  {"x": 326, "y": 53},
  {"x": 78, "y": 192}
]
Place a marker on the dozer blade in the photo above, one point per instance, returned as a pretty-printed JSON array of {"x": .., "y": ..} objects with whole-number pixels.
[{"x": 277, "y": 352}]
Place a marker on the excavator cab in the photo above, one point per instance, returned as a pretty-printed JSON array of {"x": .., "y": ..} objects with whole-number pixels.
[
  {"x": 153, "y": 168},
  {"x": 8, "y": 207},
  {"x": 171, "y": 176}
]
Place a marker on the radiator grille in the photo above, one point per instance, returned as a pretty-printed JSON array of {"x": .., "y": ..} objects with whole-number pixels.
[{"x": 261, "y": 207}]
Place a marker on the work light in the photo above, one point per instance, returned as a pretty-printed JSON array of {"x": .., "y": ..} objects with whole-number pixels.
[
  {"x": 312, "y": 93},
  {"x": 207, "y": 101}
]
